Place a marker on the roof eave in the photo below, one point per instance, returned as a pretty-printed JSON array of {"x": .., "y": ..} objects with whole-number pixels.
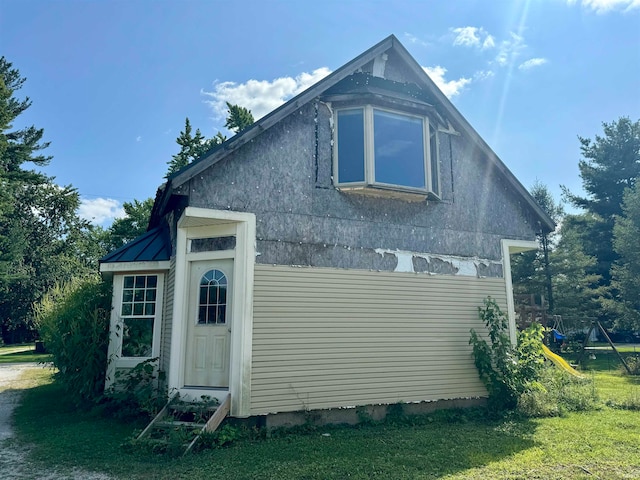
[{"x": 279, "y": 113}]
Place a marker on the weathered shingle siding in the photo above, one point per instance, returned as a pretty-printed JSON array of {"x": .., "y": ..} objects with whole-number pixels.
[
  {"x": 326, "y": 338},
  {"x": 302, "y": 219}
]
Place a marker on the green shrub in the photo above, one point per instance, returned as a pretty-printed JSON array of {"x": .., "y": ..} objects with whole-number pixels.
[
  {"x": 506, "y": 372},
  {"x": 557, "y": 393},
  {"x": 137, "y": 392},
  {"x": 633, "y": 362},
  {"x": 73, "y": 321}
]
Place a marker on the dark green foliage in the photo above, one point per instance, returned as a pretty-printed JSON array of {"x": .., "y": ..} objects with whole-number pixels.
[
  {"x": 506, "y": 372},
  {"x": 134, "y": 224},
  {"x": 41, "y": 237},
  {"x": 137, "y": 392},
  {"x": 73, "y": 321},
  {"x": 238, "y": 118},
  {"x": 194, "y": 146},
  {"x": 626, "y": 273},
  {"x": 610, "y": 165}
]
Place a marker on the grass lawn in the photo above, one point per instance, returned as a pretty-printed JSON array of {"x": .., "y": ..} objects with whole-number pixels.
[
  {"x": 22, "y": 353},
  {"x": 599, "y": 444}
]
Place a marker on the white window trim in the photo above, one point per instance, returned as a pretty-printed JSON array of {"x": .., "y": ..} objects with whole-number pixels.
[
  {"x": 115, "y": 358},
  {"x": 369, "y": 152}
]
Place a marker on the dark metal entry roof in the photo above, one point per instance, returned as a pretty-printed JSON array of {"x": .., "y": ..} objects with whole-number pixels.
[{"x": 153, "y": 246}]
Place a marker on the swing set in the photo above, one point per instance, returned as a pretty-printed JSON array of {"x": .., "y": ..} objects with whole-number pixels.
[{"x": 585, "y": 348}]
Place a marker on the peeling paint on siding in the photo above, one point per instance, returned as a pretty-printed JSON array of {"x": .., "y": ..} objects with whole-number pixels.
[{"x": 464, "y": 266}]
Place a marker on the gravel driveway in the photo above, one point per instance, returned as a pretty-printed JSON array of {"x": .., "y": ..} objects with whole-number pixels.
[{"x": 13, "y": 461}]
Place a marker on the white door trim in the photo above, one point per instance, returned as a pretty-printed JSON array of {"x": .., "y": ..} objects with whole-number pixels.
[
  {"x": 510, "y": 247},
  {"x": 200, "y": 223}
]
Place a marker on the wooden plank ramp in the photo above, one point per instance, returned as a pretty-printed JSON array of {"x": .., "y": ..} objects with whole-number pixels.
[{"x": 187, "y": 420}]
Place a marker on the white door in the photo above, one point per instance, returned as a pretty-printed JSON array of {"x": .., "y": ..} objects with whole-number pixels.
[{"x": 209, "y": 324}]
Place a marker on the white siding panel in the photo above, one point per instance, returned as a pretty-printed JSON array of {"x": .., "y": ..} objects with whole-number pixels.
[
  {"x": 167, "y": 318},
  {"x": 326, "y": 338}
]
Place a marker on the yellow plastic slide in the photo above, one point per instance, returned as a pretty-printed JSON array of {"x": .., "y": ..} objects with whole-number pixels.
[{"x": 560, "y": 362}]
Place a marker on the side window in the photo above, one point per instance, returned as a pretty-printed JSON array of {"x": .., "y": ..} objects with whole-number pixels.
[
  {"x": 138, "y": 314},
  {"x": 212, "y": 305}
]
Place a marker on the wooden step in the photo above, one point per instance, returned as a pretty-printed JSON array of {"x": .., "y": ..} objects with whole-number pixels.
[
  {"x": 177, "y": 423},
  {"x": 171, "y": 418}
]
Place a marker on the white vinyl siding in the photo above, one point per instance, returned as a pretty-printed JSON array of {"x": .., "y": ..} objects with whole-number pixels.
[
  {"x": 165, "y": 346},
  {"x": 325, "y": 338}
]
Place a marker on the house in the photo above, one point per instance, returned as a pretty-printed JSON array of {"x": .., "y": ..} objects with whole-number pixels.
[{"x": 331, "y": 255}]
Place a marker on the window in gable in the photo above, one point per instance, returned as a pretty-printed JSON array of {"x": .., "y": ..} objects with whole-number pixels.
[{"x": 386, "y": 149}]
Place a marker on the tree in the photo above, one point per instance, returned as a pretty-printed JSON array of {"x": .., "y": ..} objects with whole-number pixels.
[
  {"x": 191, "y": 147},
  {"x": 531, "y": 271},
  {"x": 238, "y": 118},
  {"x": 195, "y": 146},
  {"x": 611, "y": 164},
  {"x": 38, "y": 221},
  {"x": 134, "y": 224},
  {"x": 577, "y": 291},
  {"x": 626, "y": 273}
]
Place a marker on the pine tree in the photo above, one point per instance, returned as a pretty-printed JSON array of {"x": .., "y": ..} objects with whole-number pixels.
[
  {"x": 626, "y": 273},
  {"x": 38, "y": 221},
  {"x": 192, "y": 147},
  {"x": 238, "y": 118},
  {"x": 611, "y": 164}
]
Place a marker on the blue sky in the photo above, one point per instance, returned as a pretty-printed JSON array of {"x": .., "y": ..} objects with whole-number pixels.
[{"x": 112, "y": 82}]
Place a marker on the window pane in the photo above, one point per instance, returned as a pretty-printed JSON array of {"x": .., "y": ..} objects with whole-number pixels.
[
  {"x": 138, "y": 296},
  {"x": 351, "y": 146},
  {"x": 150, "y": 296},
  {"x": 137, "y": 337},
  {"x": 127, "y": 295},
  {"x": 399, "y": 149},
  {"x": 222, "y": 314},
  {"x": 211, "y": 314},
  {"x": 128, "y": 281},
  {"x": 149, "y": 308},
  {"x": 222, "y": 295},
  {"x": 152, "y": 281},
  {"x": 140, "y": 281},
  {"x": 126, "y": 309},
  {"x": 137, "y": 308},
  {"x": 202, "y": 315}
]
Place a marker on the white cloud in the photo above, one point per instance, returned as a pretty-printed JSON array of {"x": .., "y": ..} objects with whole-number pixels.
[
  {"x": 139, "y": 138},
  {"x": 510, "y": 49},
  {"x": 489, "y": 42},
  {"x": 415, "y": 40},
  {"x": 100, "y": 210},
  {"x": 605, "y": 6},
  {"x": 450, "y": 88},
  {"x": 483, "y": 74},
  {"x": 473, "y": 37},
  {"x": 532, "y": 63},
  {"x": 260, "y": 96}
]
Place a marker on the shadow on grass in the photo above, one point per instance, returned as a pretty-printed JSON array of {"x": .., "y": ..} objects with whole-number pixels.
[
  {"x": 427, "y": 447},
  {"x": 28, "y": 356}
]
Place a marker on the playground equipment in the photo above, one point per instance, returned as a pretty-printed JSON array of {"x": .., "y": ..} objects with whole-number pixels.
[
  {"x": 585, "y": 348},
  {"x": 560, "y": 362}
]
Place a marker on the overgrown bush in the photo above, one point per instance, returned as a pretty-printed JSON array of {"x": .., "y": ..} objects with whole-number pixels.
[
  {"x": 506, "y": 371},
  {"x": 73, "y": 321},
  {"x": 139, "y": 391},
  {"x": 556, "y": 393}
]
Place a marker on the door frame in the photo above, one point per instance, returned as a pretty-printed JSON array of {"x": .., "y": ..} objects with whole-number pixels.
[{"x": 204, "y": 223}]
